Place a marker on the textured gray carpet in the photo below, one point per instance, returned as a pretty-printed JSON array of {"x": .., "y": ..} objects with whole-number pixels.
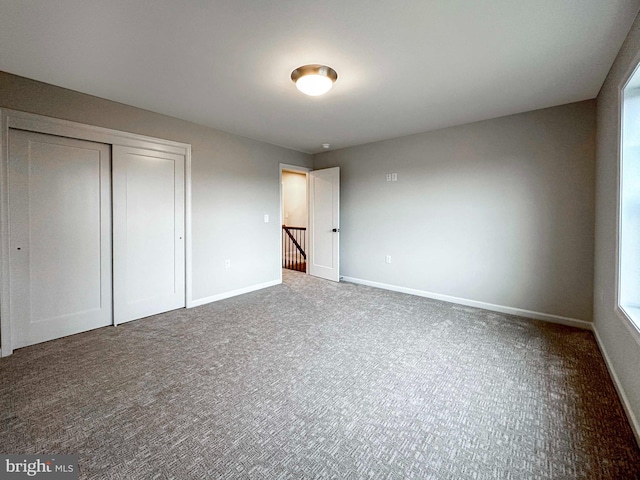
[{"x": 312, "y": 379}]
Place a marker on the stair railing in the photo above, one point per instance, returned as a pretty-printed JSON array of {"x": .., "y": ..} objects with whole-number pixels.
[{"x": 294, "y": 243}]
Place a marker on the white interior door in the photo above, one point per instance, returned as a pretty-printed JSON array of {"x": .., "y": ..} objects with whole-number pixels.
[
  {"x": 148, "y": 233},
  {"x": 60, "y": 236},
  {"x": 324, "y": 223}
]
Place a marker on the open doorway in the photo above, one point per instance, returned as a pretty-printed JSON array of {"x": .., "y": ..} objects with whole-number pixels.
[
  {"x": 294, "y": 218},
  {"x": 310, "y": 219}
]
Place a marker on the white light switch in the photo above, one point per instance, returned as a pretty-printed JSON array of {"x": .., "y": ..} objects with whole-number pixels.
[
  {"x": 266, "y": 218},
  {"x": 387, "y": 259},
  {"x": 394, "y": 177}
]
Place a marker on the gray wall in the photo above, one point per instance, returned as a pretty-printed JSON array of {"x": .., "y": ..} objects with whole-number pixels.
[
  {"x": 620, "y": 346},
  {"x": 235, "y": 181},
  {"x": 499, "y": 211}
]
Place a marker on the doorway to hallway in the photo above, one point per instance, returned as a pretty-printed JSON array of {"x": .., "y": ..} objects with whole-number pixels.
[
  {"x": 294, "y": 220},
  {"x": 310, "y": 219}
]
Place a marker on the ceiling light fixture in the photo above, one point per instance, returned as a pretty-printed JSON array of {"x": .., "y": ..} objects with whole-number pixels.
[{"x": 314, "y": 79}]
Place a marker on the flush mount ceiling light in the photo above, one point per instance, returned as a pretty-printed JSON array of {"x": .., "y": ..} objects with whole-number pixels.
[{"x": 314, "y": 79}]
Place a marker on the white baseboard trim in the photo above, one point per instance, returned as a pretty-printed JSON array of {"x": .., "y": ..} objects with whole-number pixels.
[
  {"x": 633, "y": 421},
  {"x": 233, "y": 293},
  {"x": 573, "y": 322}
]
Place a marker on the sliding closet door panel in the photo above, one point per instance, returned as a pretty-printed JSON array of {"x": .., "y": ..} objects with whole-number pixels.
[
  {"x": 60, "y": 224},
  {"x": 148, "y": 223}
]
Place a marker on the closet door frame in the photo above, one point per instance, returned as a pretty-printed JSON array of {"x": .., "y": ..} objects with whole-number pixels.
[{"x": 12, "y": 119}]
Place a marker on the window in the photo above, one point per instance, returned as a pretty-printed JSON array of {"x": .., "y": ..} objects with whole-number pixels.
[{"x": 629, "y": 213}]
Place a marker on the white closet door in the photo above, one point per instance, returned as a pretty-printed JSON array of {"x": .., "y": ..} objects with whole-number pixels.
[
  {"x": 60, "y": 236},
  {"x": 148, "y": 233}
]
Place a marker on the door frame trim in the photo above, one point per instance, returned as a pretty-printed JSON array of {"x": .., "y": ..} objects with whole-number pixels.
[
  {"x": 13, "y": 119},
  {"x": 298, "y": 169}
]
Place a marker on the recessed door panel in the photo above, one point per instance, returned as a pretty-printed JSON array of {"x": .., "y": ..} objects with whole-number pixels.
[
  {"x": 148, "y": 222},
  {"x": 60, "y": 240}
]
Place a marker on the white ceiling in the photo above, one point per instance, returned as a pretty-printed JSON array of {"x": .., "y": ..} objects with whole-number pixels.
[{"x": 403, "y": 67}]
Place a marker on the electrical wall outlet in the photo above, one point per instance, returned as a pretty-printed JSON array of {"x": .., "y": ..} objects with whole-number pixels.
[
  {"x": 387, "y": 259},
  {"x": 388, "y": 177},
  {"x": 227, "y": 264}
]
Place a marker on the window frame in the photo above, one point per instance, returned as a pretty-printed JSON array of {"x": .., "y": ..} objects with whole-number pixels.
[{"x": 631, "y": 319}]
